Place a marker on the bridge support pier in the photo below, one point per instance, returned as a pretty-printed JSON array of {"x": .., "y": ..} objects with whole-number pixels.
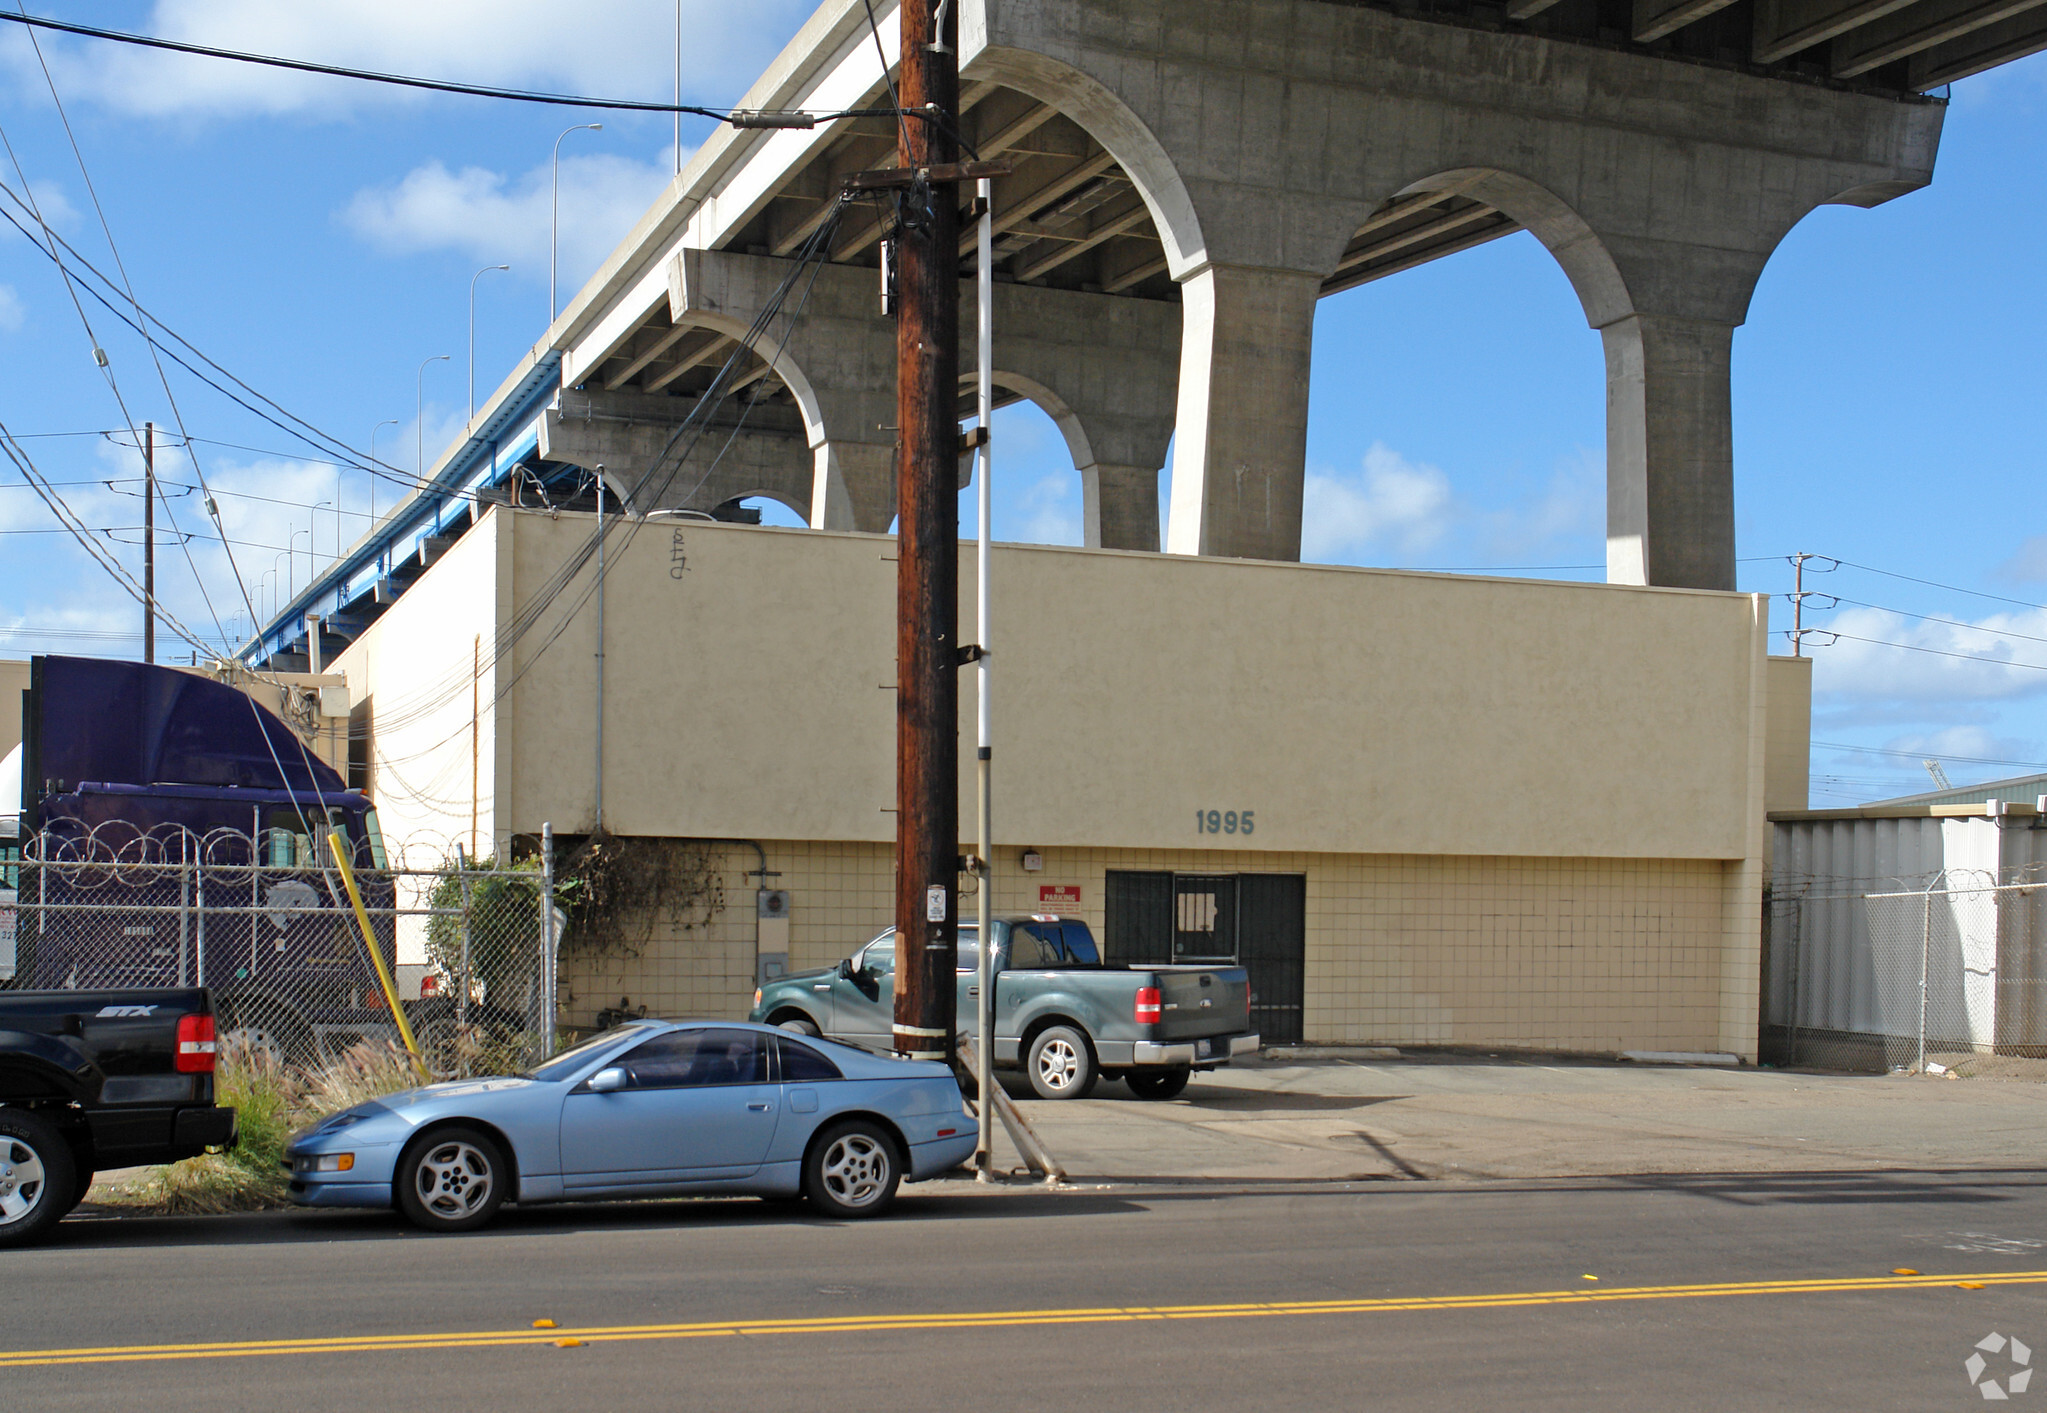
[
  {"x": 1122, "y": 506},
  {"x": 1669, "y": 452},
  {"x": 854, "y": 487},
  {"x": 1246, "y": 345}
]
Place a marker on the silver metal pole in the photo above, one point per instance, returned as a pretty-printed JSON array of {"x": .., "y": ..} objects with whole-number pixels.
[
  {"x": 199, "y": 918},
  {"x": 984, "y": 1017},
  {"x": 598, "y": 827},
  {"x": 554, "y": 206},
  {"x": 419, "y": 420},
  {"x": 184, "y": 923},
  {"x": 472, "y": 333},
  {"x": 1925, "y": 946},
  {"x": 548, "y": 943},
  {"x": 462, "y": 982},
  {"x": 255, "y": 887}
]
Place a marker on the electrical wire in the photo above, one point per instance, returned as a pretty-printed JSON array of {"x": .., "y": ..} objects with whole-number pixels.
[
  {"x": 156, "y": 357},
  {"x": 895, "y": 100},
  {"x": 1936, "y": 618},
  {"x": 1921, "y": 755},
  {"x": 16, "y": 453},
  {"x": 311, "y": 435},
  {"x": 566, "y": 100},
  {"x": 1929, "y": 583},
  {"x": 738, "y": 117},
  {"x": 1936, "y": 652}
]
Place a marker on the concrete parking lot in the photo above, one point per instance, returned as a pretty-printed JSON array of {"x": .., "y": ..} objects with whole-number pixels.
[{"x": 1465, "y": 1117}]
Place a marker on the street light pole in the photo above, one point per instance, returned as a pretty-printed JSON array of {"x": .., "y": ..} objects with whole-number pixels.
[
  {"x": 291, "y": 564},
  {"x": 313, "y": 538},
  {"x": 419, "y": 422},
  {"x": 927, "y": 545},
  {"x": 554, "y": 209},
  {"x": 387, "y": 422},
  {"x": 472, "y": 333}
]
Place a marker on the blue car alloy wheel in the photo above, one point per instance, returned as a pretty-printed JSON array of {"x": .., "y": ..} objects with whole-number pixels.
[
  {"x": 852, "y": 1170},
  {"x": 452, "y": 1179}
]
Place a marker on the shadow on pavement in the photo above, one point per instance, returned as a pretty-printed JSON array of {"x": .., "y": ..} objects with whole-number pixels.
[
  {"x": 1084, "y": 1195},
  {"x": 90, "y": 1229}
]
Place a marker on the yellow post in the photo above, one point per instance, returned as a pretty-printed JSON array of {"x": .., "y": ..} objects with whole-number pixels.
[{"x": 369, "y": 942}]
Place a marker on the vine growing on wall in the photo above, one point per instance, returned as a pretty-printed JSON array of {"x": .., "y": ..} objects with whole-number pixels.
[{"x": 618, "y": 890}]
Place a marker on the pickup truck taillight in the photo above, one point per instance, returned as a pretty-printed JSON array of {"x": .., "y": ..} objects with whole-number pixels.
[
  {"x": 196, "y": 1045},
  {"x": 1147, "y": 1005}
]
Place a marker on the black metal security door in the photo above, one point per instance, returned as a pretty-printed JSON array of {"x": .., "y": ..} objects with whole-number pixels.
[
  {"x": 1272, "y": 913},
  {"x": 1139, "y": 914},
  {"x": 1254, "y": 920},
  {"x": 1204, "y": 918}
]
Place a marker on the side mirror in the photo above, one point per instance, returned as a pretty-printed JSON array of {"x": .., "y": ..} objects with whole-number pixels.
[
  {"x": 846, "y": 969},
  {"x": 607, "y": 1080}
]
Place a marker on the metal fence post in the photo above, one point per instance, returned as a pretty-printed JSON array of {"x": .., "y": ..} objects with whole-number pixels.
[
  {"x": 199, "y": 914},
  {"x": 465, "y": 968},
  {"x": 548, "y": 1009},
  {"x": 255, "y": 896},
  {"x": 1925, "y": 948},
  {"x": 184, "y": 920}
]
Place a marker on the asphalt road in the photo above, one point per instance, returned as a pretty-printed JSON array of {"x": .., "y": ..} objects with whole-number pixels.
[{"x": 1710, "y": 1293}]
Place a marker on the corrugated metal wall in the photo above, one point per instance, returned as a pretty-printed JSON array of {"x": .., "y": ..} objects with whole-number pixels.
[{"x": 1843, "y": 963}]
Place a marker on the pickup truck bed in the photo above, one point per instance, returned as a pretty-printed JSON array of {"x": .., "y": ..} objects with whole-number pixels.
[
  {"x": 1059, "y": 1013},
  {"x": 99, "y": 1079}
]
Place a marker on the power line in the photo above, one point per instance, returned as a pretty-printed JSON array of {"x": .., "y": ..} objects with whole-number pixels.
[
  {"x": 1938, "y": 652},
  {"x": 737, "y": 117},
  {"x": 128, "y": 287},
  {"x": 518, "y": 95},
  {"x": 311, "y": 436},
  {"x": 1916, "y": 756},
  {"x": 1931, "y": 584},
  {"x": 1936, "y": 618}
]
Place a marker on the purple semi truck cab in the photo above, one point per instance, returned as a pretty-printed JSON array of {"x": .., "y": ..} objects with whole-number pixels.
[{"x": 173, "y": 832}]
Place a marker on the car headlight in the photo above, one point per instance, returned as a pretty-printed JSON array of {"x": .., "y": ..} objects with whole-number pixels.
[
  {"x": 756, "y": 998},
  {"x": 341, "y": 1121},
  {"x": 325, "y": 1163}
]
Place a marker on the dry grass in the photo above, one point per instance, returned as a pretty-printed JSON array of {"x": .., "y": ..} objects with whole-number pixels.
[{"x": 273, "y": 1102}]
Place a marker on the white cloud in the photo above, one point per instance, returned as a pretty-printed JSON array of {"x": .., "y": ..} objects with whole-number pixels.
[
  {"x": 1938, "y": 663},
  {"x": 2029, "y": 564},
  {"x": 1571, "y": 506},
  {"x": 619, "y": 49},
  {"x": 492, "y": 217},
  {"x": 1391, "y": 502},
  {"x": 13, "y": 313},
  {"x": 1051, "y": 512}
]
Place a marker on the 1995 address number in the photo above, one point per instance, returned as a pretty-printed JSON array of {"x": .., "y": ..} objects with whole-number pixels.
[{"x": 1224, "y": 822}]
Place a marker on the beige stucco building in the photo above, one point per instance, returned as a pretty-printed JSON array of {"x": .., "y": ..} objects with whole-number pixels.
[{"x": 1437, "y": 809}]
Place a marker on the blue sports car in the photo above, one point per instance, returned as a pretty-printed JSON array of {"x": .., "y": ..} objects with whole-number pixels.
[{"x": 653, "y": 1109}]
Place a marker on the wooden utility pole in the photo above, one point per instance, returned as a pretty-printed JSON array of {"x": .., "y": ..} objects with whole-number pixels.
[
  {"x": 148, "y": 541},
  {"x": 927, "y": 507}
]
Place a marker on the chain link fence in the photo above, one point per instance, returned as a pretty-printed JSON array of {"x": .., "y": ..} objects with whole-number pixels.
[
  {"x": 268, "y": 924},
  {"x": 1947, "y": 976}
]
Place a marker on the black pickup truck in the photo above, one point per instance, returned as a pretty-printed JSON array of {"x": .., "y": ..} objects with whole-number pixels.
[{"x": 99, "y": 1079}]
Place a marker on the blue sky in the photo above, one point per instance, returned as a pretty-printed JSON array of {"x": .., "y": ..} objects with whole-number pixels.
[{"x": 319, "y": 238}]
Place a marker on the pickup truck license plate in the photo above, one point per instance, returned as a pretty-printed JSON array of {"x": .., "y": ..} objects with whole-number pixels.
[{"x": 1203, "y": 1049}]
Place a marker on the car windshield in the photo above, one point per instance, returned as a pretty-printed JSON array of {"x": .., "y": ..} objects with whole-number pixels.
[{"x": 569, "y": 1061}]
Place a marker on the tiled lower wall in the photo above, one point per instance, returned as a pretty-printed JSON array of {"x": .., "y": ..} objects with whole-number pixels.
[{"x": 1565, "y": 954}]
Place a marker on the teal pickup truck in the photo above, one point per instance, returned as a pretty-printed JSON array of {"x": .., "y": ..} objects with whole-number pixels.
[{"x": 1060, "y": 1014}]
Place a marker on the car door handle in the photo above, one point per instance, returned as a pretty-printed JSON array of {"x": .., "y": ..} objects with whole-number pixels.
[
  {"x": 815, "y": 987},
  {"x": 760, "y": 1108},
  {"x": 973, "y": 990}
]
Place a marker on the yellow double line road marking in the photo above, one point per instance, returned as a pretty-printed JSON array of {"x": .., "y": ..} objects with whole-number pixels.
[{"x": 1005, "y": 1319}]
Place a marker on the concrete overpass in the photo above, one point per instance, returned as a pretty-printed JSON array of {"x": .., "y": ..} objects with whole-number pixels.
[{"x": 1190, "y": 177}]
